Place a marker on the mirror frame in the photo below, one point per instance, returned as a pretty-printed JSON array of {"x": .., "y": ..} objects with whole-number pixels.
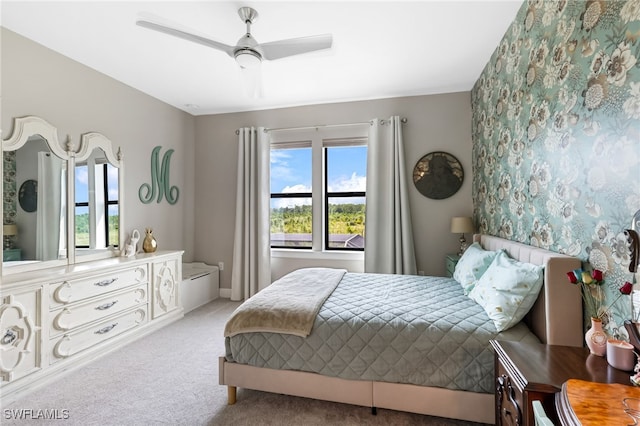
[
  {"x": 23, "y": 129},
  {"x": 89, "y": 142},
  {"x": 26, "y": 127}
]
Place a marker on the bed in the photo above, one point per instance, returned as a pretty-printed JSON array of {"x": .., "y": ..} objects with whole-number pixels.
[{"x": 555, "y": 318}]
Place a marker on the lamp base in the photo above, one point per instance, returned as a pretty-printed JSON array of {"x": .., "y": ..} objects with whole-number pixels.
[{"x": 463, "y": 245}]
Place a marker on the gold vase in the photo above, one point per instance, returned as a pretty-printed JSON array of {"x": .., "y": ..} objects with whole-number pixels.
[{"x": 149, "y": 245}]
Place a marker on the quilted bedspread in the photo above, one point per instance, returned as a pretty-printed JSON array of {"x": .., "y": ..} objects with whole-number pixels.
[{"x": 391, "y": 328}]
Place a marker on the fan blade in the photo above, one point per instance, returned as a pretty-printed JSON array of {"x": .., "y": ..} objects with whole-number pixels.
[
  {"x": 161, "y": 25},
  {"x": 295, "y": 46}
]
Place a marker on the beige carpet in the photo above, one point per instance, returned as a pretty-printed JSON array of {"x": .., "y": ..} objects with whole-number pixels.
[{"x": 171, "y": 378}]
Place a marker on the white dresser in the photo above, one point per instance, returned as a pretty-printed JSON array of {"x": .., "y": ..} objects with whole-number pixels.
[{"x": 56, "y": 319}]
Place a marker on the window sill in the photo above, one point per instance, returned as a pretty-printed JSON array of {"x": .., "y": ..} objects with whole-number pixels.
[{"x": 320, "y": 255}]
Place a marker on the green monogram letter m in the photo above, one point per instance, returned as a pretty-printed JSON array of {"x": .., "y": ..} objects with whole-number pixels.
[{"x": 159, "y": 181}]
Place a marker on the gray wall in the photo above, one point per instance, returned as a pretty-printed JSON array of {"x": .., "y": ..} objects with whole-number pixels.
[
  {"x": 436, "y": 122},
  {"x": 77, "y": 99}
]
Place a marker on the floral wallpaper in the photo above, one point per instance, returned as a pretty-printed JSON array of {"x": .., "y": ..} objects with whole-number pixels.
[
  {"x": 556, "y": 135},
  {"x": 9, "y": 204},
  {"x": 9, "y": 185}
]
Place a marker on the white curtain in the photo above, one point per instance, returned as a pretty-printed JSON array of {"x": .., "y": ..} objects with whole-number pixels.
[
  {"x": 251, "y": 251},
  {"x": 389, "y": 245},
  {"x": 48, "y": 213}
]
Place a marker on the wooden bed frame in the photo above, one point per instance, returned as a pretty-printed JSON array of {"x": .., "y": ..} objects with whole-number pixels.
[{"x": 556, "y": 319}]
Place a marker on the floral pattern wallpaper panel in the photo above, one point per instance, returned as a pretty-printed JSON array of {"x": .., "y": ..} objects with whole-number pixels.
[
  {"x": 556, "y": 135},
  {"x": 9, "y": 187}
]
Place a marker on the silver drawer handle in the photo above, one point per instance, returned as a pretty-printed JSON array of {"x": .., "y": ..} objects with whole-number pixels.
[
  {"x": 106, "y": 329},
  {"x": 9, "y": 337},
  {"x": 104, "y": 283},
  {"x": 106, "y": 306}
]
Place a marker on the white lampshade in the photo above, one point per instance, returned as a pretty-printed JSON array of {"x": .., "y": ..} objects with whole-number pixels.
[
  {"x": 10, "y": 230},
  {"x": 461, "y": 225}
]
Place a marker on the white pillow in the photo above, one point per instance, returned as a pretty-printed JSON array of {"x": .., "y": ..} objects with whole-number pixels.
[
  {"x": 474, "y": 261},
  {"x": 507, "y": 290}
]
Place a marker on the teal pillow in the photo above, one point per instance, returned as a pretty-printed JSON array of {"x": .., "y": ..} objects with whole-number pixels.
[
  {"x": 474, "y": 261},
  {"x": 508, "y": 290}
]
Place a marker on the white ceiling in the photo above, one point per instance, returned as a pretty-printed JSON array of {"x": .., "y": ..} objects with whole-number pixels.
[{"x": 380, "y": 49}]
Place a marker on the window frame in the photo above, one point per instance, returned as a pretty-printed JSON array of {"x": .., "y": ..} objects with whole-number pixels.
[
  {"x": 319, "y": 138},
  {"x": 109, "y": 202},
  {"x": 104, "y": 189},
  {"x": 337, "y": 194},
  {"x": 281, "y": 195}
]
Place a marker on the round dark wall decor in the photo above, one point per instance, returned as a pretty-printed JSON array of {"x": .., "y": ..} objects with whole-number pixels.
[
  {"x": 438, "y": 175},
  {"x": 28, "y": 195}
]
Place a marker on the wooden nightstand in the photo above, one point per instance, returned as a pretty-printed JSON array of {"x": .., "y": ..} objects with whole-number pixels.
[
  {"x": 527, "y": 372},
  {"x": 450, "y": 264},
  {"x": 11, "y": 254}
]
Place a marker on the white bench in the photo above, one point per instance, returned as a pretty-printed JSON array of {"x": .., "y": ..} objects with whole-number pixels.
[{"x": 200, "y": 285}]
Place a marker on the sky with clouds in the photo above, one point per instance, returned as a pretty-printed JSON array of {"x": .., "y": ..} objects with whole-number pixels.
[{"x": 291, "y": 172}]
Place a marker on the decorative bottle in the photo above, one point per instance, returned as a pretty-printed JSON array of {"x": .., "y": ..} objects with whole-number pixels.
[{"x": 149, "y": 245}]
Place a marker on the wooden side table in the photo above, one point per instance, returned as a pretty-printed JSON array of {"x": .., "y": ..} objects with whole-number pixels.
[
  {"x": 451, "y": 260},
  {"x": 592, "y": 403},
  {"x": 526, "y": 372}
]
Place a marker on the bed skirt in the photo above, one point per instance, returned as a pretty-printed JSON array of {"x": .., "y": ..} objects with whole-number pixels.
[{"x": 470, "y": 406}]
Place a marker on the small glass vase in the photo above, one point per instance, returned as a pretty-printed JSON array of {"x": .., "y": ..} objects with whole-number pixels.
[{"x": 596, "y": 338}]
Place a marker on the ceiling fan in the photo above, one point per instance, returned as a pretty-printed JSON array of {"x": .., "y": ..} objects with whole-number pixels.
[{"x": 247, "y": 52}]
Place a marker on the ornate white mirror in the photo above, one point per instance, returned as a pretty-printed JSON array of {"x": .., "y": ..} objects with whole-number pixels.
[
  {"x": 98, "y": 199},
  {"x": 35, "y": 187}
]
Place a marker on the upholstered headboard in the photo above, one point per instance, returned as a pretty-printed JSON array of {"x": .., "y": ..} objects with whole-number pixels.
[{"x": 556, "y": 317}]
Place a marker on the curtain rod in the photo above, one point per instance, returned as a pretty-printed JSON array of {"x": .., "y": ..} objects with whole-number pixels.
[
  {"x": 370, "y": 122},
  {"x": 267, "y": 130},
  {"x": 403, "y": 120}
]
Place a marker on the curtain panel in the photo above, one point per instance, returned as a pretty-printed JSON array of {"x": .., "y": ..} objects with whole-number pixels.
[
  {"x": 251, "y": 251},
  {"x": 389, "y": 246},
  {"x": 50, "y": 216}
]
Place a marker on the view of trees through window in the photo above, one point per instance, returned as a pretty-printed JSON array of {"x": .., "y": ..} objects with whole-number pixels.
[
  {"x": 82, "y": 229},
  {"x": 343, "y": 199}
]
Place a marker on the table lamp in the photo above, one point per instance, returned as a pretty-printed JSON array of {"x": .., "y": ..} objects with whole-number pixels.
[
  {"x": 8, "y": 231},
  {"x": 462, "y": 225}
]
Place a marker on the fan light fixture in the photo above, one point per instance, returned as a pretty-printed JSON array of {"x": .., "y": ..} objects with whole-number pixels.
[{"x": 248, "y": 59}]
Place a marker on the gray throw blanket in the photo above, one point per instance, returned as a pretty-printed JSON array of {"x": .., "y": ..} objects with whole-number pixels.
[{"x": 288, "y": 306}]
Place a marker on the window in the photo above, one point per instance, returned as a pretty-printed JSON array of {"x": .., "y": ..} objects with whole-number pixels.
[
  {"x": 318, "y": 189},
  {"x": 291, "y": 196},
  {"x": 96, "y": 206},
  {"x": 345, "y": 183}
]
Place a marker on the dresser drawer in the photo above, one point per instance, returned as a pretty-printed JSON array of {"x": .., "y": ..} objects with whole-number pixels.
[
  {"x": 165, "y": 286},
  {"x": 20, "y": 334},
  {"x": 77, "y": 315},
  {"x": 72, "y": 343},
  {"x": 72, "y": 291}
]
